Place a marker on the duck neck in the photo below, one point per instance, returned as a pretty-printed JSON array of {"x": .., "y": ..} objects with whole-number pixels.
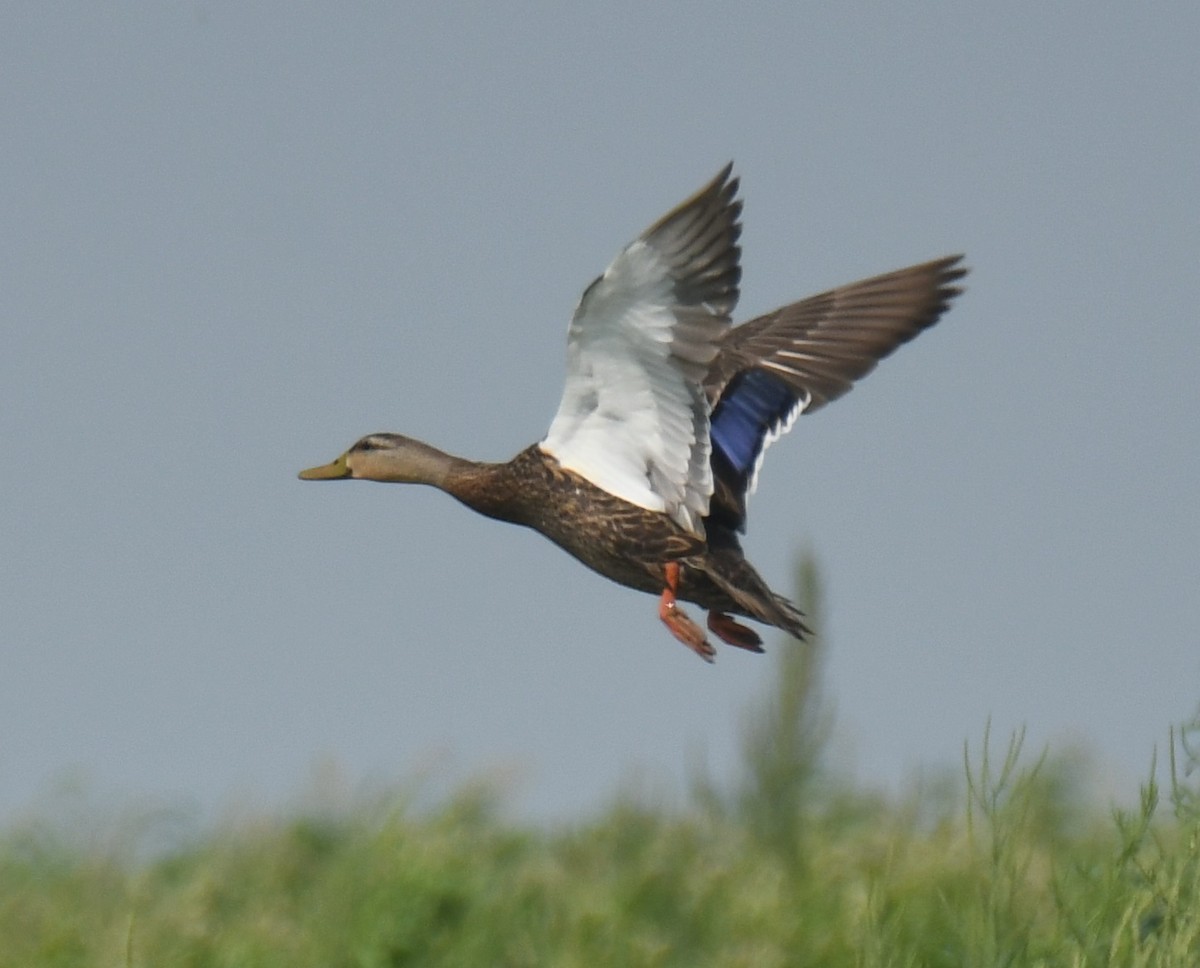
[{"x": 486, "y": 488}]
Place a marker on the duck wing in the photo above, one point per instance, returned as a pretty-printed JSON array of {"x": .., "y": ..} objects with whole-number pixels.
[
  {"x": 634, "y": 415},
  {"x": 800, "y": 357}
]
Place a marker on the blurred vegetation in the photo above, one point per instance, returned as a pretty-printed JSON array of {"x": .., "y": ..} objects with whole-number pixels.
[{"x": 1014, "y": 864}]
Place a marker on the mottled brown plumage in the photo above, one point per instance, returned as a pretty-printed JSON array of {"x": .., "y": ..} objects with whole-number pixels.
[{"x": 621, "y": 541}]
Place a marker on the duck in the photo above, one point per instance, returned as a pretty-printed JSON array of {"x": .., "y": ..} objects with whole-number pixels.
[{"x": 667, "y": 412}]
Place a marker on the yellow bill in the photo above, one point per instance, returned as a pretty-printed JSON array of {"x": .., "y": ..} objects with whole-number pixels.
[{"x": 327, "y": 472}]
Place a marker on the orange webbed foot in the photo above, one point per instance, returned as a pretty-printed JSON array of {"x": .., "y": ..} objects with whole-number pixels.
[
  {"x": 734, "y": 633},
  {"x": 677, "y": 621}
]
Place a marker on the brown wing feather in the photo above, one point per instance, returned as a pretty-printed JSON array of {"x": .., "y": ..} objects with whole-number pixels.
[{"x": 821, "y": 345}]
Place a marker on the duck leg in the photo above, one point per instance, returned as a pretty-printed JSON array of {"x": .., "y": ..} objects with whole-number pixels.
[
  {"x": 734, "y": 633},
  {"x": 676, "y": 621}
]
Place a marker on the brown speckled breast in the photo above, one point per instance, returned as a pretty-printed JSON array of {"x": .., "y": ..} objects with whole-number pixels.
[{"x": 621, "y": 541}]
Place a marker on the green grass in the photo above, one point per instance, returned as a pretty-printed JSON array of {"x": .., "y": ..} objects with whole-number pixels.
[
  {"x": 1011, "y": 863},
  {"x": 1023, "y": 871}
]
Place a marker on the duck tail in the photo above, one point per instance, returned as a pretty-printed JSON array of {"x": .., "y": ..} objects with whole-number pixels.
[
  {"x": 735, "y": 576},
  {"x": 791, "y": 619}
]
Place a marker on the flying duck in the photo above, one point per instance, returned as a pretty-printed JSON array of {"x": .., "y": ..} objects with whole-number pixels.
[{"x": 666, "y": 414}]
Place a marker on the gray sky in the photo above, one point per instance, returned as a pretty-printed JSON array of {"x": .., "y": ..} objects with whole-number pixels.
[{"x": 236, "y": 237}]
